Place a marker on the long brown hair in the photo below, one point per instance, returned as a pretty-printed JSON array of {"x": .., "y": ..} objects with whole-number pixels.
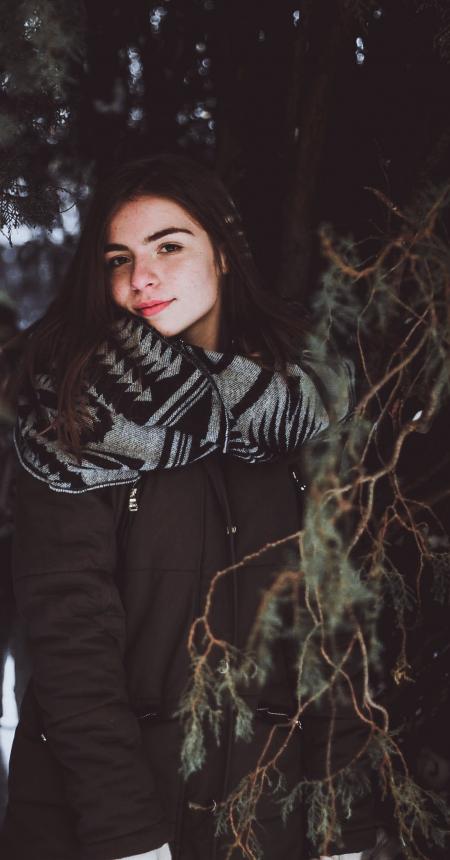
[{"x": 80, "y": 317}]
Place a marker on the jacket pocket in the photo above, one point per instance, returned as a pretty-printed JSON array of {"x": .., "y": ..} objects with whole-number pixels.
[{"x": 147, "y": 711}]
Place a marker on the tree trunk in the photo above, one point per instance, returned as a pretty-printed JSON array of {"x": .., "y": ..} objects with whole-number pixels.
[{"x": 315, "y": 65}]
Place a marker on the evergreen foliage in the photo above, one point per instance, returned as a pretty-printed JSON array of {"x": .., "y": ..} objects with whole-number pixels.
[
  {"x": 357, "y": 505},
  {"x": 39, "y": 40}
]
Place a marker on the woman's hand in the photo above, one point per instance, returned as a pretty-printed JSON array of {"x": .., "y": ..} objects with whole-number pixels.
[
  {"x": 357, "y": 856},
  {"x": 386, "y": 848},
  {"x": 162, "y": 853}
]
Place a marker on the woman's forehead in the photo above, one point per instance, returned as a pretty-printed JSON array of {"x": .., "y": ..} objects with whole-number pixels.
[{"x": 150, "y": 214}]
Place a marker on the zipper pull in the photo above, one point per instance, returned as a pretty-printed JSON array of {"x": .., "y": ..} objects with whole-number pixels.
[
  {"x": 299, "y": 484},
  {"x": 132, "y": 500}
]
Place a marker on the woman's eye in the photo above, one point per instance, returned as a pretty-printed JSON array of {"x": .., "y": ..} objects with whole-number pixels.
[
  {"x": 115, "y": 262},
  {"x": 170, "y": 248}
]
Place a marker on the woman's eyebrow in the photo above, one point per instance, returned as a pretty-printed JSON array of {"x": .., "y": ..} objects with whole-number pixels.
[{"x": 153, "y": 238}]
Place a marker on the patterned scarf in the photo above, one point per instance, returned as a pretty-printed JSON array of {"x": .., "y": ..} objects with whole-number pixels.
[{"x": 160, "y": 404}]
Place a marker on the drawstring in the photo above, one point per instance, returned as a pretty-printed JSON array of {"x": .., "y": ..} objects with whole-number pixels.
[
  {"x": 229, "y": 743},
  {"x": 196, "y": 612},
  {"x": 218, "y": 481}
]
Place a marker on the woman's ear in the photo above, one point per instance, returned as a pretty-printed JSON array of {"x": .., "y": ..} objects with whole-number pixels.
[{"x": 224, "y": 268}]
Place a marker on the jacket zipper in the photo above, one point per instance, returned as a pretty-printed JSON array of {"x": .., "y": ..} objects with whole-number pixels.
[{"x": 133, "y": 504}]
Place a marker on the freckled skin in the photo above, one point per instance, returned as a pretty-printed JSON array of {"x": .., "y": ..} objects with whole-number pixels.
[{"x": 179, "y": 266}]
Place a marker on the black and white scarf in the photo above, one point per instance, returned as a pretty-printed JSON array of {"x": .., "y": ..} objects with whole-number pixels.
[{"x": 160, "y": 404}]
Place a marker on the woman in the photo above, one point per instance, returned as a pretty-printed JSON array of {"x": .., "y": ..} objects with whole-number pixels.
[{"x": 160, "y": 403}]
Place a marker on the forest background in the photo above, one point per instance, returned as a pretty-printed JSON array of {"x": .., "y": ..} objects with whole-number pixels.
[{"x": 329, "y": 122}]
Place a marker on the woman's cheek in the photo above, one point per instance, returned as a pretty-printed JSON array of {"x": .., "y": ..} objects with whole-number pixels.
[{"x": 119, "y": 292}]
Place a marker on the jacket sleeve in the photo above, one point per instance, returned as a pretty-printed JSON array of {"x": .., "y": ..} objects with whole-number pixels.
[{"x": 64, "y": 562}]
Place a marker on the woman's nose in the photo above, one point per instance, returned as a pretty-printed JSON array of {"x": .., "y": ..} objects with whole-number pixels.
[{"x": 143, "y": 275}]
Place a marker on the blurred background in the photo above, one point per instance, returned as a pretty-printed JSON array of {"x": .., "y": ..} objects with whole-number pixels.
[
  {"x": 304, "y": 108},
  {"x": 300, "y": 106}
]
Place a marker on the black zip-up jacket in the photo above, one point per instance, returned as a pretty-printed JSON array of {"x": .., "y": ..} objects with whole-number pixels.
[{"x": 108, "y": 583}]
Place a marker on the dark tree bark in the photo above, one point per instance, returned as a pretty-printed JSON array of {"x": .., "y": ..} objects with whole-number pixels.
[
  {"x": 320, "y": 46},
  {"x": 253, "y": 48}
]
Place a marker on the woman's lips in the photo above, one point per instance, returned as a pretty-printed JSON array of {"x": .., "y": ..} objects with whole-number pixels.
[{"x": 154, "y": 308}]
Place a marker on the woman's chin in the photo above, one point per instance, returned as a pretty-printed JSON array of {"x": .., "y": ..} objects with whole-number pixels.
[{"x": 164, "y": 330}]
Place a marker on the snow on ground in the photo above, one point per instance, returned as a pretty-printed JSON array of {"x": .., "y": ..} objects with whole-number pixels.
[
  {"x": 7, "y": 727},
  {"x": 9, "y": 720}
]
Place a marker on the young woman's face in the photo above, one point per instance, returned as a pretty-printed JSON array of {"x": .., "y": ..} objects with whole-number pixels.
[{"x": 160, "y": 265}]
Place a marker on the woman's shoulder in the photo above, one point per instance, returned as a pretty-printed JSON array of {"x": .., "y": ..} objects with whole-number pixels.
[{"x": 59, "y": 530}]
